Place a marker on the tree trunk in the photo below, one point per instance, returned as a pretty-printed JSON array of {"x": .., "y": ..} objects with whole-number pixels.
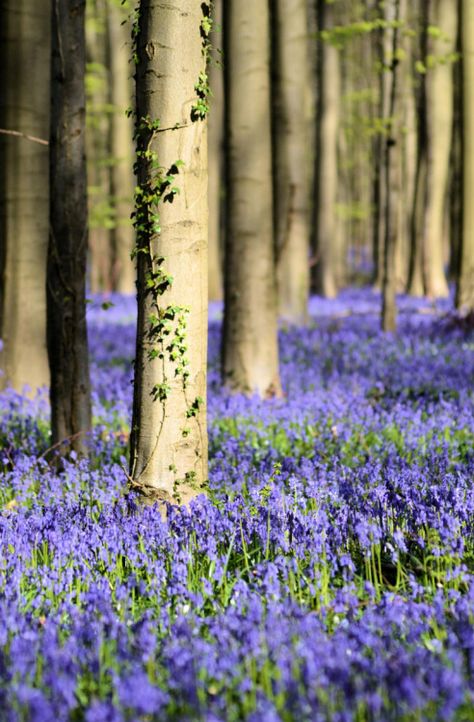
[
  {"x": 98, "y": 150},
  {"x": 216, "y": 141},
  {"x": 391, "y": 179},
  {"x": 465, "y": 285},
  {"x": 455, "y": 202},
  {"x": 290, "y": 153},
  {"x": 121, "y": 148},
  {"x": 439, "y": 119},
  {"x": 407, "y": 154},
  {"x": 415, "y": 275},
  {"x": 250, "y": 350},
  {"x": 326, "y": 160},
  {"x": 378, "y": 172},
  {"x": 415, "y": 286},
  {"x": 66, "y": 308},
  {"x": 24, "y": 191},
  {"x": 385, "y": 49},
  {"x": 168, "y": 444}
]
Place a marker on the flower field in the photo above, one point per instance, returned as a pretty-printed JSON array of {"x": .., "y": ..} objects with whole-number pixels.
[{"x": 327, "y": 577}]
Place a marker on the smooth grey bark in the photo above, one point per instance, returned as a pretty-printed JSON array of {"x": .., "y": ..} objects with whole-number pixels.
[
  {"x": 465, "y": 285},
  {"x": 24, "y": 191},
  {"x": 415, "y": 285},
  {"x": 291, "y": 176},
  {"x": 216, "y": 164},
  {"x": 66, "y": 308},
  {"x": 168, "y": 443},
  {"x": 98, "y": 148},
  {"x": 250, "y": 349},
  {"x": 326, "y": 176},
  {"x": 121, "y": 149},
  {"x": 439, "y": 120},
  {"x": 391, "y": 179}
]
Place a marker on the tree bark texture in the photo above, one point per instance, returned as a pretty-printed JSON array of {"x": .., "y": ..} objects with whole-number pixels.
[
  {"x": 24, "y": 191},
  {"x": 168, "y": 445},
  {"x": 121, "y": 149},
  {"x": 439, "y": 121},
  {"x": 290, "y": 157},
  {"x": 391, "y": 177},
  {"x": 98, "y": 148},
  {"x": 216, "y": 164},
  {"x": 415, "y": 285},
  {"x": 326, "y": 179},
  {"x": 66, "y": 313},
  {"x": 407, "y": 152},
  {"x": 250, "y": 349},
  {"x": 465, "y": 285}
]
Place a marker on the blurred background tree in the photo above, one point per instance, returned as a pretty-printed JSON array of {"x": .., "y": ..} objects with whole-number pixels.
[{"x": 25, "y": 51}]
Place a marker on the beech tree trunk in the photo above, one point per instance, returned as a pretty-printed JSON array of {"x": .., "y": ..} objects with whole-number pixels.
[
  {"x": 98, "y": 150},
  {"x": 290, "y": 154},
  {"x": 391, "y": 177},
  {"x": 121, "y": 148},
  {"x": 378, "y": 169},
  {"x": 465, "y": 285},
  {"x": 216, "y": 165},
  {"x": 66, "y": 317},
  {"x": 326, "y": 160},
  {"x": 439, "y": 120},
  {"x": 24, "y": 191},
  {"x": 415, "y": 286},
  {"x": 408, "y": 147},
  {"x": 250, "y": 349},
  {"x": 168, "y": 443}
]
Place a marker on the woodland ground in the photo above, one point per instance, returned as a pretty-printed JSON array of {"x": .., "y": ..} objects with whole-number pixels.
[{"x": 328, "y": 576}]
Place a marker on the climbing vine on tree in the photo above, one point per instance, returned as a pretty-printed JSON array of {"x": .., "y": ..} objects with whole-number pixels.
[{"x": 168, "y": 447}]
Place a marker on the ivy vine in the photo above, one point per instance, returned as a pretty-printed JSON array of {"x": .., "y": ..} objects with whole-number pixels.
[{"x": 166, "y": 333}]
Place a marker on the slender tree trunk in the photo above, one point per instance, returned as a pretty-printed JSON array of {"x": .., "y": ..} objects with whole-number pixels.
[
  {"x": 250, "y": 350},
  {"x": 326, "y": 159},
  {"x": 415, "y": 286},
  {"x": 66, "y": 317},
  {"x": 290, "y": 152},
  {"x": 24, "y": 191},
  {"x": 380, "y": 201},
  {"x": 455, "y": 202},
  {"x": 439, "y": 120},
  {"x": 168, "y": 444},
  {"x": 465, "y": 285},
  {"x": 395, "y": 11},
  {"x": 415, "y": 275},
  {"x": 121, "y": 148},
  {"x": 406, "y": 152},
  {"x": 216, "y": 142},
  {"x": 98, "y": 148}
]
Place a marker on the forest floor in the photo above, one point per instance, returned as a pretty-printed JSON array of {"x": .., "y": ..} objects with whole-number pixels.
[{"x": 327, "y": 577}]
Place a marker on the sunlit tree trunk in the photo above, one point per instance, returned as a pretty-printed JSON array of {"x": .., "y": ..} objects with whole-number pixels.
[
  {"x": 395, "y": 11},
  {"x": 465, "y": 285},
  {"x": 439, "y": 120},
  {"x": 415, "y": 285},
  {"x": 290, "y": 159},
  {"x": 415, "y": 275},
  {"x": 168, "y": 445},
  {"x": 121, "y": 148},
  {"x": 24, "y": 190},
  {"x": 66, "y": 317},
  {"x": 98, "y": 147},
  {"x": 250, "y": 350},
  {"x": 216, "y": 141},
  {"x": 326, "y": 160}
]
